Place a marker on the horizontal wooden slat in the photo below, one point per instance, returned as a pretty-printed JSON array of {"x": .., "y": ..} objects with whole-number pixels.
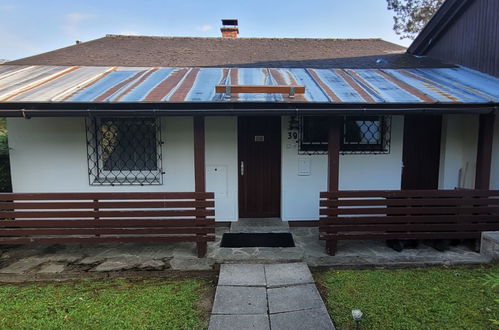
[
  {"x": 106, "y": 217},
  {"x": 410, "y": 202},
  {"x": 108, "y": 223},
  {"x": 408, "y": 219},
  {"x": 410, "y": 210},
  {"x": 104, "y": 205},
  {"x": 412, "y": 227},
  {"x": 277, "y": 89},
  {"x": 386, "y": 236},
  {"x": 109, "y": 239},
  {"x": 406, "y": 214},
  {"x": 408, "y": 193},
  {"x": 105, "y": 231},
  {"x": 106, "y": 196},
  {"x": 104, "y": 214}
]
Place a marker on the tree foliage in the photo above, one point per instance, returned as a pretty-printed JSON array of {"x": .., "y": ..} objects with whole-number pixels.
[{"x": 412, "y": 15}]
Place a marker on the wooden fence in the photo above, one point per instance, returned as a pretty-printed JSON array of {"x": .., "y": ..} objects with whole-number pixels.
[
  {"x": 50, "y": 218},
  {"x": 406, "y": 214}
]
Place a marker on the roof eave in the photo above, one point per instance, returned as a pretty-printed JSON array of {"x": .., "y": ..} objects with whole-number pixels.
[
  {"x": 50, "y": 109},
  {"x": 444, "y": 16}
]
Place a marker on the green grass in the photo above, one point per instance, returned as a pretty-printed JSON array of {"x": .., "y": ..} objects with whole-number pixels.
[
  {"x": 112, "y": 304},
  {"x": 423, "y": 298}
]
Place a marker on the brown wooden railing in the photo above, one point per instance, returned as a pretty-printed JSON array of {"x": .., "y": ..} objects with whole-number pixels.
[
  {"x": 406, "y": 214},
  {"x": 50, "y": 218}
]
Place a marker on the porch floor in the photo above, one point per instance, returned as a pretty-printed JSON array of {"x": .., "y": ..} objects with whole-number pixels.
[{"x": 49, "y": 261}]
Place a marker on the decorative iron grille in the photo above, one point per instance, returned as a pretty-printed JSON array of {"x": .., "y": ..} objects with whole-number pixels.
[
  {"x": 360, "y": 134},
  {"x": 366, "y": 135},
  {"x": 124, "y": 151}
]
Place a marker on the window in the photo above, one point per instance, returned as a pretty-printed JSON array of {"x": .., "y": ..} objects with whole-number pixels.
[
  {"x": 360, "y": 134},
  {"x": 363, "y": 133},
  {"x": 123, "y": 151},
  {"x": 314, "y": 133}
]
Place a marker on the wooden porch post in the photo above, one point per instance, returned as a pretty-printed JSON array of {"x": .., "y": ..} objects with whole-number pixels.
[
  {"x": 199, "y": 171},
  {"x": 333, "y": 156},
  {"x": 484, "y": 151}
]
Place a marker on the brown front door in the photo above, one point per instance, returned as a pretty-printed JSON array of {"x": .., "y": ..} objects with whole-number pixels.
[
  {"x": 421, "y": 154},
  {"x": 259, "y": 148}
]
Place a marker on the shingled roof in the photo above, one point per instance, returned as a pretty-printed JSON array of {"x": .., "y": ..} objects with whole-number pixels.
[{"x": 119, "y": 50}]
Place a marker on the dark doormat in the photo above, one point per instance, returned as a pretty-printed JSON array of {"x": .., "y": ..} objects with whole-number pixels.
[{"x": 237, "y": 240}]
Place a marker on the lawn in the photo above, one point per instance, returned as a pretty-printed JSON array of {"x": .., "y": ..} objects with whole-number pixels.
[
  {"x": 111, "y": 304},
  {"x": 423, "y": 298}
]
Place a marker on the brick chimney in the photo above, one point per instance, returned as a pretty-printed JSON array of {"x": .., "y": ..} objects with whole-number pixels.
[{"x": 229, "y": 28}]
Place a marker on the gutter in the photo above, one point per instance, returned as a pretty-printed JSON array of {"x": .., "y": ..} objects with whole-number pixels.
[{"x": 29, "y": 110}]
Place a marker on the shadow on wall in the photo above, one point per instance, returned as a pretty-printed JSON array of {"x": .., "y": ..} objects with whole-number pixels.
[{"x": 5, "y": 183}]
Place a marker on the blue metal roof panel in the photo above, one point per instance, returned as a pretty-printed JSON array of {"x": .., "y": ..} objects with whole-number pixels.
[
  {"x": 338, "y": 86},
  {"x": 153, "y": 84}
]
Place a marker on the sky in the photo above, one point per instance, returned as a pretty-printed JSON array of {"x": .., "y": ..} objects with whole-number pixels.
[{"x": 29, "y": 27}]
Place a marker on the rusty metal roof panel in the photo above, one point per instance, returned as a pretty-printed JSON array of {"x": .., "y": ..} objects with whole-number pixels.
[
  {"x": 57, "y": 89},
  {"x": 460, "y": 87},
  {"x": 66, "y": 84}
]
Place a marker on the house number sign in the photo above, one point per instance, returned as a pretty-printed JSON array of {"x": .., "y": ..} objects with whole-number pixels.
[
  {"x": 259, "y": 138},
  {"x": 292, "y": 135}
]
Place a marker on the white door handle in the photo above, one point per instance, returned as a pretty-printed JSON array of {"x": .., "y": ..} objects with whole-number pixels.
[{"x": 242, "y": 168}]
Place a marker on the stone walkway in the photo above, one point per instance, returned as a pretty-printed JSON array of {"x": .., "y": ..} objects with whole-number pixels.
[
  {"x": 45, "y": 262},
  {"x": 271, "y": 296}
]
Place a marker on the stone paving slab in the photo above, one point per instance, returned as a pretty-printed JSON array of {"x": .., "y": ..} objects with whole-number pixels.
[
  {"x": 22, "y": 266},
  {"x": 242, "y": 275},
  {"x": 288, "y": 298},
  {"x": 240, "y": 322},
  {"x": 51, "y": 268},
  {"x": 287, "y": 274},
  {"x": 311, "y": 319},
  {"x": 240, "y": 300},
  {"x": 294, "y": 298},
  {"x": 192, "y": 263},
  {"x": 28, "y": 259}
]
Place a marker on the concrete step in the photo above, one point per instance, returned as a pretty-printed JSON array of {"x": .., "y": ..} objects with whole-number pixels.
[{"x": 259, "y": 225}]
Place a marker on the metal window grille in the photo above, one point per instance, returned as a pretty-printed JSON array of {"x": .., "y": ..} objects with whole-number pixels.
[
  {"x": 360, "y": 134},
  {"x": 366, "y": 134},
  {"x": 124, "y": 151}
]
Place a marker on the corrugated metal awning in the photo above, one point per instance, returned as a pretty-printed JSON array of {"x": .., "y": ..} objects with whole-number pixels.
[{"x": 60, "y": 85}]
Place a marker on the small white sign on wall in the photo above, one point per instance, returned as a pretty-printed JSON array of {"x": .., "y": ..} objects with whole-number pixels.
[
  {"x": 304, "y": 166},
  {"x": 216, "y": 180}
]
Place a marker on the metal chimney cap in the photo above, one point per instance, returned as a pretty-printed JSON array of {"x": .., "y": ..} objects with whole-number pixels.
[{"x": 230, "y": 22}]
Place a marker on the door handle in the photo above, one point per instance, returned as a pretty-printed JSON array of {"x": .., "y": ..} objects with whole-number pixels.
[{"x": 242, "y": 168}]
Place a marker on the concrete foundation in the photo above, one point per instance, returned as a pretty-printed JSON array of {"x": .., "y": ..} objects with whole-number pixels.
[{"x": 489, "y": 247}]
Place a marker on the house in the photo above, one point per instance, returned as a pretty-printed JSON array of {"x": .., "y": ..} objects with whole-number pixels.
[
  {"x": 465, "y": 33},
  {"x": 462, "y": 32},
  {"x": 266, "y": 124}
]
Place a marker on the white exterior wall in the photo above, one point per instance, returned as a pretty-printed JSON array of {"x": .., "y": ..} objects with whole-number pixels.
[
  {"x": 221, "y": 165},
  {"x": 494, "y": 175},
  {"x": 458, "y": 151},
  {"x": 49, "y": 155},
  {"x": 300, "y": 193}
]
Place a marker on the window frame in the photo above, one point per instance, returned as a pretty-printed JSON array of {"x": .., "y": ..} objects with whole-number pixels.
[
  {"x": 99, "y": 175},
  {"x": 321, "y": 147},
  {"x": 363, "y": 147}
]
